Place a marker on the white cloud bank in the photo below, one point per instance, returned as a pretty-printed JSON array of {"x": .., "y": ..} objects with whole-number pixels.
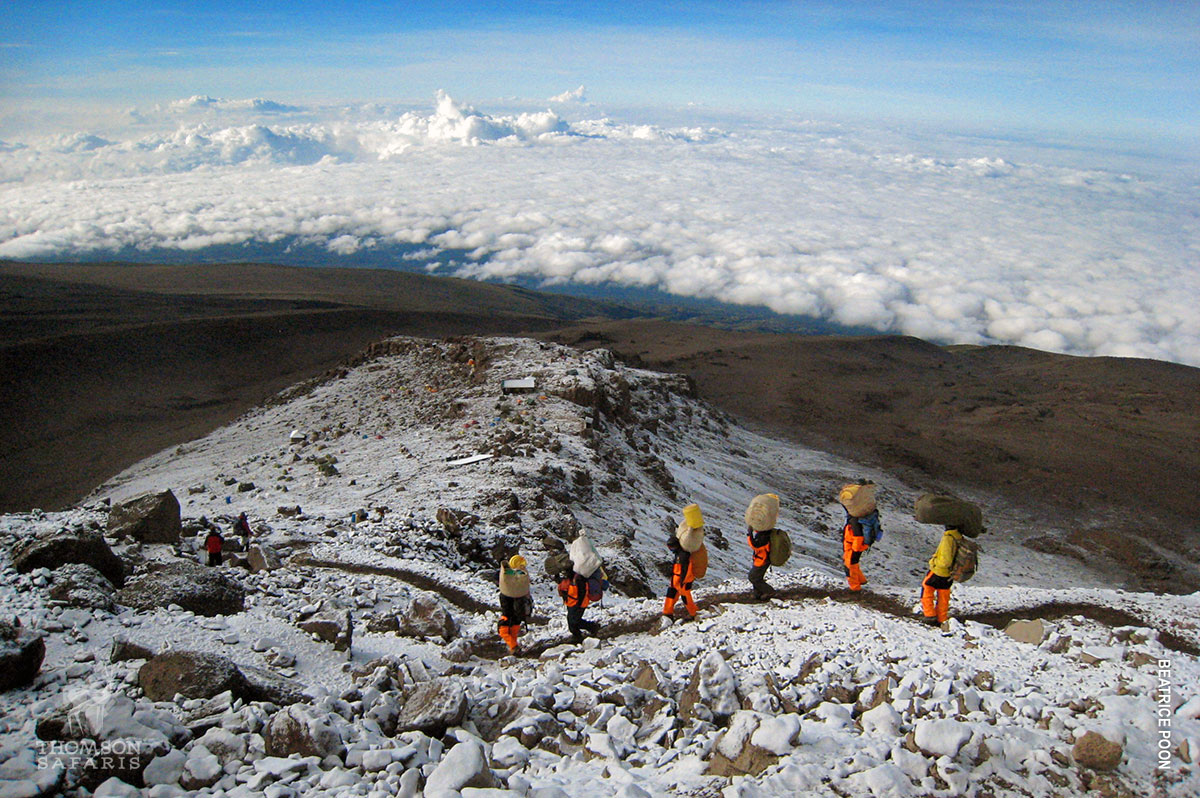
[{"x": 840, "y": 224}]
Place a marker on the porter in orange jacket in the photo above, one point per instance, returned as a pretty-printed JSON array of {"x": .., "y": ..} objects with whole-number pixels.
[{"x": 574, "y": 592}]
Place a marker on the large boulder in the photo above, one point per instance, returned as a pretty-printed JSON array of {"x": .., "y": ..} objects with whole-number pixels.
[
  {"x": 433, "y": 707},
  {"x": 737, "y": 752},
  {"x": 149, "y": 518},
  {"x": 332, "y": 626},
  {"x": 464, "y": 765},
  {"x": 266, "y": 685},
  {"x": 204, "y": 591},
  {"x": 21, "y": 654},
  {"x": 80, "y": 585},
  {"x": 56, "y": 549},
  {"x": 427, "y": 617},
  {"x": 192, "y": 674},
  {"x": 262, "y": 557},
  {"x": 300, "y": 730}
]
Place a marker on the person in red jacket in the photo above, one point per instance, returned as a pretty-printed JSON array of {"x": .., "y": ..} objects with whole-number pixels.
[{"x": 213, "y": 545}]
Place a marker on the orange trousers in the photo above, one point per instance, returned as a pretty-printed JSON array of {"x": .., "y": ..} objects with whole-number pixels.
[
  {"x": 935, "y": 597},
  {"x": 676, "y": 591},
  {"x": 854, "y": 574},
  {"x": 509, "y": 633}
]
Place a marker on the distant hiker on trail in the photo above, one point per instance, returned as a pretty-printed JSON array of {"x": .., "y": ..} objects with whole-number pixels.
[
  {"x": 956, "y": 556},
  {"x": 691, "y": 562},
  {"x": 515, "y": 601},
  {"x": 761, "y": 516},
  {"x": 241, "y": 527},
  {"x": 861, "y": 529},
  {"x": 582, "y": 586},
  {"x": 213, "y": 545}
]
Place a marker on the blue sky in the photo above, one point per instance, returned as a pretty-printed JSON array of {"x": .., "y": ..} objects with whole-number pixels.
[{"x": 1126, "y": 69}]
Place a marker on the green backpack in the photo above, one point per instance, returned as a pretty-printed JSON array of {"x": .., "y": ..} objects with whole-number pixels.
[
  {"x": 781, "y": 547},
  {"x": 966, "y": 560}
]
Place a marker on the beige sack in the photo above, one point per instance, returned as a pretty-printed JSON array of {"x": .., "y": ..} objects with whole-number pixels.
[
  {"x": 763, "y": 512},
  {"x": 513, "y": 584},
  {"x": 690, "y": 538},
  {"x": 859, "y": 500}
]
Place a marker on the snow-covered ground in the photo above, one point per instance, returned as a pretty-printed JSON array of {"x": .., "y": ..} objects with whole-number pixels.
[{"x": 810, "y": 693}]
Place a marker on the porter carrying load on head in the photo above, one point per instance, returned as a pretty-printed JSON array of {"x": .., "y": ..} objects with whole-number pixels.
[
  {"x": 861, "y": 530},
  {"x": 771, "y": 546},
  {"x": 957, "y": 556},
  {"x": 691, "y": 561},
  {"x": 516, "y": 605}
]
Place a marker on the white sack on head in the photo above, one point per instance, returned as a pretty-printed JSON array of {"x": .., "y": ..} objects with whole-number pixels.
[{"x": 583, "y": 556}]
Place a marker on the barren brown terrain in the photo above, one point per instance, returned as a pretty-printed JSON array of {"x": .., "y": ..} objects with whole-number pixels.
[{"x": 106, "y": 364}]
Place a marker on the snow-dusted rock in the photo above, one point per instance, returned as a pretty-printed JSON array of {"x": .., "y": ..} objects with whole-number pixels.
[
  {"x": 115, "y": 788},
  {"x": 202, "y": 769},
  {"x": 331, "y": 626},
  {"x": 194, "y": 587},
  {"x": 261, "y": 684},
  {"x": 941, "y": 737},
  {"x": 123, "y": 649},
  {"x": 80, "y": 585},
  {"x": 883, "y": 721},
  {"x": 299, "y": 729},
  {"x": 433, "y": 707},
  {"x": 21, "y": 654},
  {"x": 262, "y": 557},
  {"x": 192, "y": 674},
  {"x": 464, "y": 765},
  {"x": 715, "y": 685},
  {"x": 735, "y": 753},
  {"x": 224, "y": 745},
  {"x": 426, "y": 617},
  {"x": 1031, "y": 632},
  {"x": 149, "y": 518},
  {"x": 508, "y": 752},
  {"x": 165, "y": 769},
  {"x": 56, "y": 549},
  {"x": 882, "y": 781},
  {"x": 1094, "y": 750}
]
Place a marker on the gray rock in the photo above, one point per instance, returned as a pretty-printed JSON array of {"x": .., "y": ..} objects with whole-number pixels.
[
  {"x": 262, "y": 557},
  {"x": 433, "y": 707},
  {"x": 57, "y": 549},
  {"x": 123, "y": 649},
  {"x": 465, "y": 765},
  {"x": 332, "y": 626},
  {"x": 265, "y": 685},
  {"x": 80, "y": 585},
  {"x": 427, "y": 617},
  {"x": 21, "y": 653},
  {"x": 149, "y": 518},
  {"x": 193, "y": 674},
  {"x": 299, "y": 730},
  {"x": 204, "y": 591}
]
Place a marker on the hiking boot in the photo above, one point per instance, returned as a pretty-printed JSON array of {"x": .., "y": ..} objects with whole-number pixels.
[{"x": 931, "y": 621}]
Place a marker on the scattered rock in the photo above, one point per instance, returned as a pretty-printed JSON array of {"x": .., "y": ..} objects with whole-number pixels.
[
  {"x": 300, "y": 730},
  {"x": 124, "y": 649},
  {"x": 454, "y": 521},
  {"x": 426, "y": 617},
  {"x": 80, "y": 585},
  {"x": 1031, "y": 632},
  {"x": 735, "y": 753},
  {"x": 1095, "y": 751},
  {"x": 465, "y": 765},
  {"x": 941, "y": 737},
  {"x": 202, "y": 590},
  {"x": 54, "y": 550},
  {"x": 149, "y": 518},
  {"x": 262, "y": 557},
  {"x": 202, "y": 769},
  {"x": 332, "y": 626},
  {"x": 433, "y": 707},
  {"x": 21, "y": 654},
  {"x": 265, "y": 685},
  {"x": 192, "y": 674}
]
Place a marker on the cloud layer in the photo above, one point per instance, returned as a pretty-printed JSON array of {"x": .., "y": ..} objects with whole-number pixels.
[{"x": 951, "y": 241}]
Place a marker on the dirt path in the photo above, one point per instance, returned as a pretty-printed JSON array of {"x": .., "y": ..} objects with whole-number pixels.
[{"x": 493, "y": 648}]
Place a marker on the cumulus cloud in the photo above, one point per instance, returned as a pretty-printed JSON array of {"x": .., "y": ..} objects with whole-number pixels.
[
  {"x": 255, "y": 104},
  {"x": 955, "y": 243}
]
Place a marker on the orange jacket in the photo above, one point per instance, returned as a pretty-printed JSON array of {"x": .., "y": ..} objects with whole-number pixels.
[
  {"x": 852, "y": 537},
  {"x": 574, "y": 592},
  {"x": 760, "y": 542}
]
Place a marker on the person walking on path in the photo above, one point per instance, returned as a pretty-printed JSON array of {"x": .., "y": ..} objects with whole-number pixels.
[
  {"x": 574, "y": 591},
  {"x": 241, "y": 527},
  {"x": 213, "y": 544},
  {"x": 515, "y": 602},
  {"x": 860, "y": 530},
  {"x": 761, "y": 516},
  {"x": 685, "y": 543},
  {"x": 935, "y": 588}
]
